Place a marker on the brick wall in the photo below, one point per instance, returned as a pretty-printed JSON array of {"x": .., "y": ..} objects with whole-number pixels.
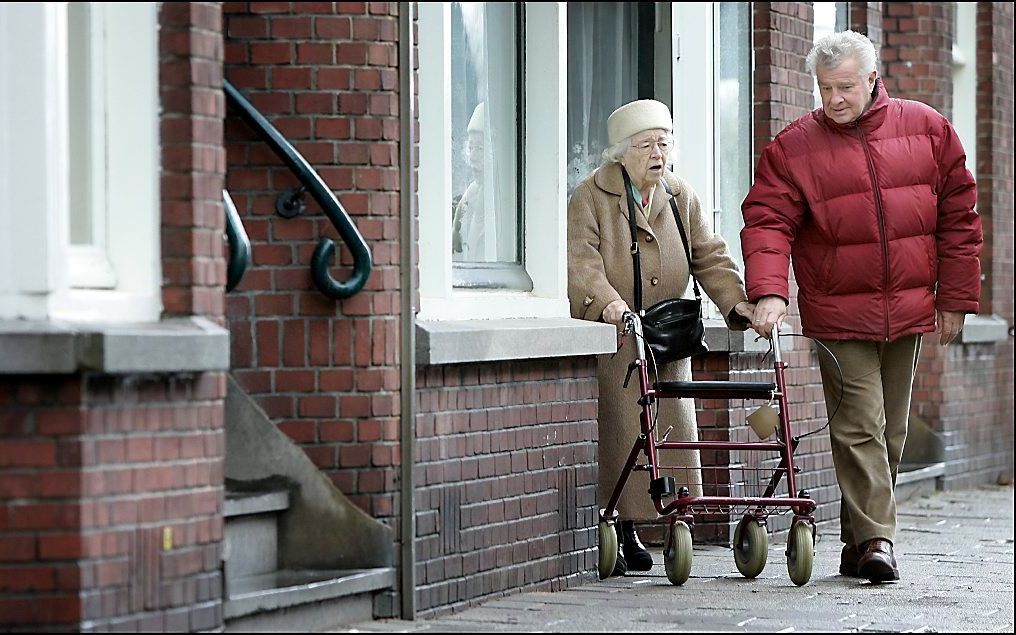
[
  {"x": 111, "y": 486},
  {"x": 95, "y": 470},
  {"x": 866, "y": 18},
  {"x": 964, "y": 391},
  {"x": 995, "y": 203},
  {"x": 506, "y": 479},
  {"x": 325, "y": 371},
  {"x": 995, "y": 155},
  {"x": 193, "y": 159},
  {"x": 783, "y": 35},
  {"x": 917, "y": 52}
]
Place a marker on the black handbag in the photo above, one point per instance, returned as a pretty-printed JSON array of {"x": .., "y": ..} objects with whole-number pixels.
[{"x": 672, "y": 328}]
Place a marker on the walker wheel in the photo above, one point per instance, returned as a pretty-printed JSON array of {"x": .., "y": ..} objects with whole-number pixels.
[
  {"x": 800, "y": 553},
  {"x": 608, "y": 549},
  {"x": 751, "y": 546},
  {"x": 677, "y": 554}
]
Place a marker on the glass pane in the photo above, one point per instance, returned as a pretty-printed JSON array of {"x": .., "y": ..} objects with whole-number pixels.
[
  {"x": 733, "y": 118},
  {"x": 486, "y": 111},
  {"x": 80, "y": 130},
  {"x": 601, "y": 77},
  {"x": 825, "y": 24}
]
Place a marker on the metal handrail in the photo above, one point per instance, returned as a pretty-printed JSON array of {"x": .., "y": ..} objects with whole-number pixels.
[
  {"x": 312, "y": 183},
  {"x": 239, "y": 244}
]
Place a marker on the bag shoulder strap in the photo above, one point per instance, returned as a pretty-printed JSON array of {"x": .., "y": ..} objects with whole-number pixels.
[
  {"x": 636, "y": 263},
  {"x": 684, "y": 237}
]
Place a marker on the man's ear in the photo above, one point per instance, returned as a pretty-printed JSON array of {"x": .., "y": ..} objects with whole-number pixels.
[{"x": 871, "y": 80}]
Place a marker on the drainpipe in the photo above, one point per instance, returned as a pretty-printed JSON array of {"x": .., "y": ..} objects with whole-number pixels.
[{"x": 407, "y": 314}]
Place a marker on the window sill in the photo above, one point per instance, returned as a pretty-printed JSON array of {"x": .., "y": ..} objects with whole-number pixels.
[
  {"x": 720, "y": 339},
  {"x": 980, "y": 329},
  {"x": 174, "y": 345},
  {"x": 464, "y": 341}
]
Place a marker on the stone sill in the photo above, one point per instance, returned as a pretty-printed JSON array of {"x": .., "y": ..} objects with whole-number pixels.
[
  {"x": 979, "y": 329},
  {"x": 173, "y": 345},
  {"x": 720, "y": 339},
  {"x": 466, "y": 341}
]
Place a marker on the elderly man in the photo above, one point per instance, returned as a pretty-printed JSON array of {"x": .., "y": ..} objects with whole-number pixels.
[{"x": 872, "y": 198}]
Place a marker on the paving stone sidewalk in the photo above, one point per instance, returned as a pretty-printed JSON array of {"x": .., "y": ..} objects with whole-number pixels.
[{"x": 955, "y": 552}]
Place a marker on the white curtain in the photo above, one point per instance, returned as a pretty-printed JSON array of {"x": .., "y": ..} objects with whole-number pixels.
[{"x": 602, "y": 44}]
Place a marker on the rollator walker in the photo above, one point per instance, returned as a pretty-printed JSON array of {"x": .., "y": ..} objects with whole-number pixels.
[{"x": 751, "y": 540}]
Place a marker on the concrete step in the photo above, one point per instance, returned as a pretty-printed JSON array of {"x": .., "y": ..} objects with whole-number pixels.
[
  {"x": 304, "y": 600},
  {"x": 251, "y": 532}
]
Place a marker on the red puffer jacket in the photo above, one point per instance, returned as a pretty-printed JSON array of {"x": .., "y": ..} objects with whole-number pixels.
[{"x": 878, "y": 215}]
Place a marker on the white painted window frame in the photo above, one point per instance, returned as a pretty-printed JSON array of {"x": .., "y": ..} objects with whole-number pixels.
[
  {"x": 694, "y": 46},
  {"x": 964, "y": 97},
  {"x": 544, "y": 199},
  {"x": 36, "y": 259},
  {"x": 90, "y": 266}
]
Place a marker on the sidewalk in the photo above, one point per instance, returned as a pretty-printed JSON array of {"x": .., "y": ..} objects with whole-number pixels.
[{"x": 955, "y": 552}]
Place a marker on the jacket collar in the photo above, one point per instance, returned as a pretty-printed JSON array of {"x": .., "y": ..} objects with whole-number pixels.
[
  {"x": 871, "y": 119},
  {"x": 608, "y": 178}
]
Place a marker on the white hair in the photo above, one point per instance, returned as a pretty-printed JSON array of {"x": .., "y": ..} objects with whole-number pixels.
[
  {"x": 833, "y": 49},
  {"x": 614, "y": 153}
]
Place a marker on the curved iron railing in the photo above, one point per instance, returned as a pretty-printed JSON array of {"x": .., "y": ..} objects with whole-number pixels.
[
  {"x": 239, "y": 244},
  {"x": 312, "y": 184}
]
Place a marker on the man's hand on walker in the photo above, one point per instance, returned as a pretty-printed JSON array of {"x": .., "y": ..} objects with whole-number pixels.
[{"x": 769, "y": 312}]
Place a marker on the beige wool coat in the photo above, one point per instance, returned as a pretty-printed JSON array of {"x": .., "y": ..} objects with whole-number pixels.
[{"x": 600, "y": 271}]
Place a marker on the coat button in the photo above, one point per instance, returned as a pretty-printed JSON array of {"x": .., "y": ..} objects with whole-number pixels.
[
  {"x": 649, "y": 239},
  {"x": 655, "y": 281},
  {"x": 587, "y": 301}
]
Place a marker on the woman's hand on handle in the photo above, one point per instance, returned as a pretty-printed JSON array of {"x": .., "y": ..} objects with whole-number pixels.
[
  {"x": 613, "y": 313},
  {"x": 770, "y": 311}
]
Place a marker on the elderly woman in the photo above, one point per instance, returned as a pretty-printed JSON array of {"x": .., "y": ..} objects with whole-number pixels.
[{"x": 600, "y": 287}]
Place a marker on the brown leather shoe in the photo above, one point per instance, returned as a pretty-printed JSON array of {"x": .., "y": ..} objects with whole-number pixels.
[
  {"x": 878, "y": 563},
  {"x": 848, "y": 561}
]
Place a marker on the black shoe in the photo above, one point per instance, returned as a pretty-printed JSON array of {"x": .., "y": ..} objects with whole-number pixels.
[
  {"x": 620, "y": 567},
  {"x": 635, "y": 554},
  {"x": 848, "y": 561}
]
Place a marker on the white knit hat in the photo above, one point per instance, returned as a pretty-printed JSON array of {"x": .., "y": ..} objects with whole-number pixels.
[
  {"x": 477, "y": 121},
  {"x": 634, "y": 117}
]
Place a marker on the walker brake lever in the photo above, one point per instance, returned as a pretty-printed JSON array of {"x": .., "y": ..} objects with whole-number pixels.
[
  {"x": 667, "y": 433},
  {"x": 627, "y": 377}
]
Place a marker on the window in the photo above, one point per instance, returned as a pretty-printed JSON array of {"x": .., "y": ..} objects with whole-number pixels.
[
  {"x": 492, "y": 162},
  {"x": 712, "y": 97},
  {"x": 964, "y": 97},
  {"x": 81, "y": 159},
  {"x": 90, "y": 266},
  {"x": 485, "y": 141},
  {"x": 830, "y": 17},
  {"x": 113, "y": 168}
]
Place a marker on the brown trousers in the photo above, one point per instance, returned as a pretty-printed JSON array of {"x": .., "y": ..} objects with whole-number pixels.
[{"x": 869, "y": 429}]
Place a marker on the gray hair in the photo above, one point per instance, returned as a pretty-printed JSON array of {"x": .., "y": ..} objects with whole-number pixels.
[
  {"x": 833, "y": 49},
  {"x": 614, "y": 153}
]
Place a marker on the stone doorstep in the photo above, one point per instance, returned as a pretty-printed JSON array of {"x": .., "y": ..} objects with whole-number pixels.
[
  {"x": 247, "y": 503},
  {"x": 285, "y": 589}
]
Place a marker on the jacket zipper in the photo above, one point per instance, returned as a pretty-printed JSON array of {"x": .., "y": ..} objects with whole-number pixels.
[{"x": 881, "y": 226}]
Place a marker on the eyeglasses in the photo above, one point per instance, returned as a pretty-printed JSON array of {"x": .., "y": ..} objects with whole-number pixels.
[{"x": 645, "y": 147}]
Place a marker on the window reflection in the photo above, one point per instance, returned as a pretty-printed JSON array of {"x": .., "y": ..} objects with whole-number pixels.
[{"x": 485, "y": 112}]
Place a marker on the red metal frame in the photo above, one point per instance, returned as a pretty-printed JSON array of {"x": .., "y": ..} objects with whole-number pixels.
[{"x": 680, "y": 507}]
